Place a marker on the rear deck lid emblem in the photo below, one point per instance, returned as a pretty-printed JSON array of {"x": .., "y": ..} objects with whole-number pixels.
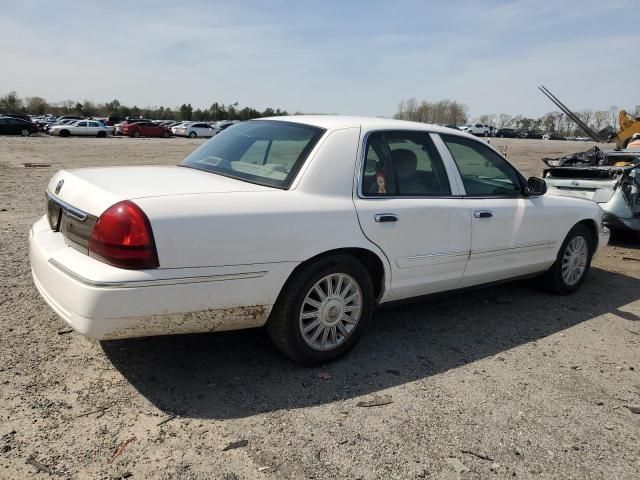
[{"x": 59, "y": 186}]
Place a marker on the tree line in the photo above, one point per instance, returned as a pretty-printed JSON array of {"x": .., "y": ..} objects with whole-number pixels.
[
  {"x": 448, "y": 112},
  {"x": 12, "y": 103}
]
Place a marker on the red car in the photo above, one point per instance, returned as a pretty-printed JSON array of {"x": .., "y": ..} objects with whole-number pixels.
[{"x": 145, "y": 129}]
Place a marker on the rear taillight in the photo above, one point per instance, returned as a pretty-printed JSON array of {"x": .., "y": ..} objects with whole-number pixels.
[{"x": 122, "y": 237}]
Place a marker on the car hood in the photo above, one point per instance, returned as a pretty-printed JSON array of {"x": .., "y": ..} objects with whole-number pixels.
[{"x": 93, "y": 190}]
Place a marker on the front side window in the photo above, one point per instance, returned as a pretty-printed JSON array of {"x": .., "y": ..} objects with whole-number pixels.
[
  {"x": 267, "y": 152},
  {"x": 484, "y": 173},
  {"x": 403, "y": 163}
]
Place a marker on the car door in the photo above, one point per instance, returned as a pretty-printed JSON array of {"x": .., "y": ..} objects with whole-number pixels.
[
  {"x": 93, "y": 128},
  {"x": 407, "y": 206},
  {"x": 512, "y": 234},
  {"x": 201, "y": 130},
  {"x": 80, "y": 128},
  {"x": 5, "y": 126}
]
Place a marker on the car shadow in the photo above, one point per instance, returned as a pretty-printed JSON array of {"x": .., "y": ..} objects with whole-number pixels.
[{"x": 239, "y": 374}]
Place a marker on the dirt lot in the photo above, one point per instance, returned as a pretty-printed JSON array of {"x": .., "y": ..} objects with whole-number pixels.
[{"x": 501, "y": 382}]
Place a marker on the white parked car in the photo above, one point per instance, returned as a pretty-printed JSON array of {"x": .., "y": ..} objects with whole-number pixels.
[
  {"x": 301, "y": 223},
  {"x": 82, "y": 127},
  {"x": 194, "y": 129},
  {"x": 478, "y": 129}
]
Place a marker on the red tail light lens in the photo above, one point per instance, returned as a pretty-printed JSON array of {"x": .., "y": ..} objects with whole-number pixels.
[{"x": 122, "y": 237}]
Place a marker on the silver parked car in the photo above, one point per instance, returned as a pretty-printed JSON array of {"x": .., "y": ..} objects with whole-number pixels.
[
  {"x": 610, "y": 178},
  {"x": 82, "y": 127}
]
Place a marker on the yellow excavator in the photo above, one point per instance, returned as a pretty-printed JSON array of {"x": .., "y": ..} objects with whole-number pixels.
[{"x": 628, "y": 124}]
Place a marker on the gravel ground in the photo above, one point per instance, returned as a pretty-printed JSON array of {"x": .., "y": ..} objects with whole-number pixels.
[{"x": 501, "y": 382}]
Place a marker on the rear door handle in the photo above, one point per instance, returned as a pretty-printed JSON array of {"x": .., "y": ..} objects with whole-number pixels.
[
  {"x": 385, "y": 217},
  {"x": 483, "y": 214}
]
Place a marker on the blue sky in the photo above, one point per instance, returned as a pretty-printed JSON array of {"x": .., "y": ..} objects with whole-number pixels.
[{"x": 325, "y": 57}]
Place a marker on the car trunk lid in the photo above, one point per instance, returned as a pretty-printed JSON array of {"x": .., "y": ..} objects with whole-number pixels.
[{"x": 76, "y": 198}]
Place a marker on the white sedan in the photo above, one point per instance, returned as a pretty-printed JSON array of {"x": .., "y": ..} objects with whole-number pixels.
[
  {"x": 82, "y": 127},
  {"x": 304, "y": 224},
  {"x": 194, "y": 129}
]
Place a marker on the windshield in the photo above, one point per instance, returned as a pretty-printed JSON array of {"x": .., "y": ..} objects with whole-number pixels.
[{"x": 267, "y": 152}]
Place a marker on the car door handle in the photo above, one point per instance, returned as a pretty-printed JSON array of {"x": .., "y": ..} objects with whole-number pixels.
[
  {"x": 386, "y": 217},
  {"x": 483, "y": 214}
]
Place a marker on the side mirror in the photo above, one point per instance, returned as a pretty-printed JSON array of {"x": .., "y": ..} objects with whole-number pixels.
[{"x": 535, "y": 187}]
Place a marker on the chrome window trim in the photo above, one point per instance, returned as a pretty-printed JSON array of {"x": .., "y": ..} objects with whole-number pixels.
[
  {"x": 73, "y": 211},
  {"x": 360, "y": 164},
  {"x": 156, "y": 282}
]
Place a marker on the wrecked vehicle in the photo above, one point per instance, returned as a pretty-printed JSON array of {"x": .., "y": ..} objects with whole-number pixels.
[{"x": 609, "y": 178}]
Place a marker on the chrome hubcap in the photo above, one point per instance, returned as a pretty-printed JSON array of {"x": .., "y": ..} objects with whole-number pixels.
[
  {"x": 330, "y": 311},
  {"x": 574, "y": 260}
]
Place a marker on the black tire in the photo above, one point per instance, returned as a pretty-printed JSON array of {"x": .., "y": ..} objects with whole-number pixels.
[
  {"x": 193, "y": 134},
  {"x": 166, "y": 135},
  {"x": 135, "y": 134},
  {"x": 25, "y": 132},
  {"x": 284, "y": 323},
  {"x": 64, "y": 133},
  {"x": 101, "y": 135},
  {"x": 553, "y": 279},
  {"x": 486, "y": 134},
  {"x": 502, "y": 135}
]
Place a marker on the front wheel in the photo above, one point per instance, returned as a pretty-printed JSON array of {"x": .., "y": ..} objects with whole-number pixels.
[
  {"x": 572, "y": 263},
  {"x": 25, "y": 132},
  {"x": 486, "y": 134},
  {"x": 192, "y": 135},
  {"x": 322, "y": 310}
]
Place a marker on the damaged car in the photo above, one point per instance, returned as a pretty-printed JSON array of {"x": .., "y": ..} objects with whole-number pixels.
[{"x": 610, "y": 178}]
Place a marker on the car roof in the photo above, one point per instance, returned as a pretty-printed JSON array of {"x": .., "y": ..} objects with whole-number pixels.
[{"x": 332, "y": 122}]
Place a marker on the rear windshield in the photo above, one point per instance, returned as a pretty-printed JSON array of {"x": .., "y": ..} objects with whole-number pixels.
[{"x": 267, "y": 152}]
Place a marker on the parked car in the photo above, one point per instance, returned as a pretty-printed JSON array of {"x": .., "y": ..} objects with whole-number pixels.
[
  {"x": 533, "y": 135},
  {"x": 118, "y": 127},
  {"x": 82, "y": 127},
  {"x": 194, "y": 129},
  {"x": 608, "y": 177},
  {"x": 17, "y": 126},
  {"x": 553, "y": 136},
  {"x": 506, "y": 133},
  {"x": 478, "y": 129},
  {"x": 281, "y": 222},
  {"x": 145, "y": 129}
]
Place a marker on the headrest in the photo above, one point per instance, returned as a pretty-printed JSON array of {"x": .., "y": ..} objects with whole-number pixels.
[{"x": 405, "y": 162}]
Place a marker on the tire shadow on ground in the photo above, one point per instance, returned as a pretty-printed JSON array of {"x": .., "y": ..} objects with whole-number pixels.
[{"x": 239, "y": 374}]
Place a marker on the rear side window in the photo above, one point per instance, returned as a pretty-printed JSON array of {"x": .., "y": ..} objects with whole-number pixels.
[
  {"x": 403, "y": 163},
  {"x": 484, "y": 173},
  {"x": 267, "y": 152}
]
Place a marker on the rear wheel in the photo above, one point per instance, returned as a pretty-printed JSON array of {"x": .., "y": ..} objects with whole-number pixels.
[
  {"x": 486, "y": 134},
  {"x": 101, "y": 134},
  {"x": 25, "y": 132},
  {"x": 572, "y": 263},
  {"x": 166, "y": 135},
  {"x": 322, "y": 310},
  {"x": 64, "y": 133},
  {"x": 192, "y": 135},
  {"x": 135, "y": 134}
]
